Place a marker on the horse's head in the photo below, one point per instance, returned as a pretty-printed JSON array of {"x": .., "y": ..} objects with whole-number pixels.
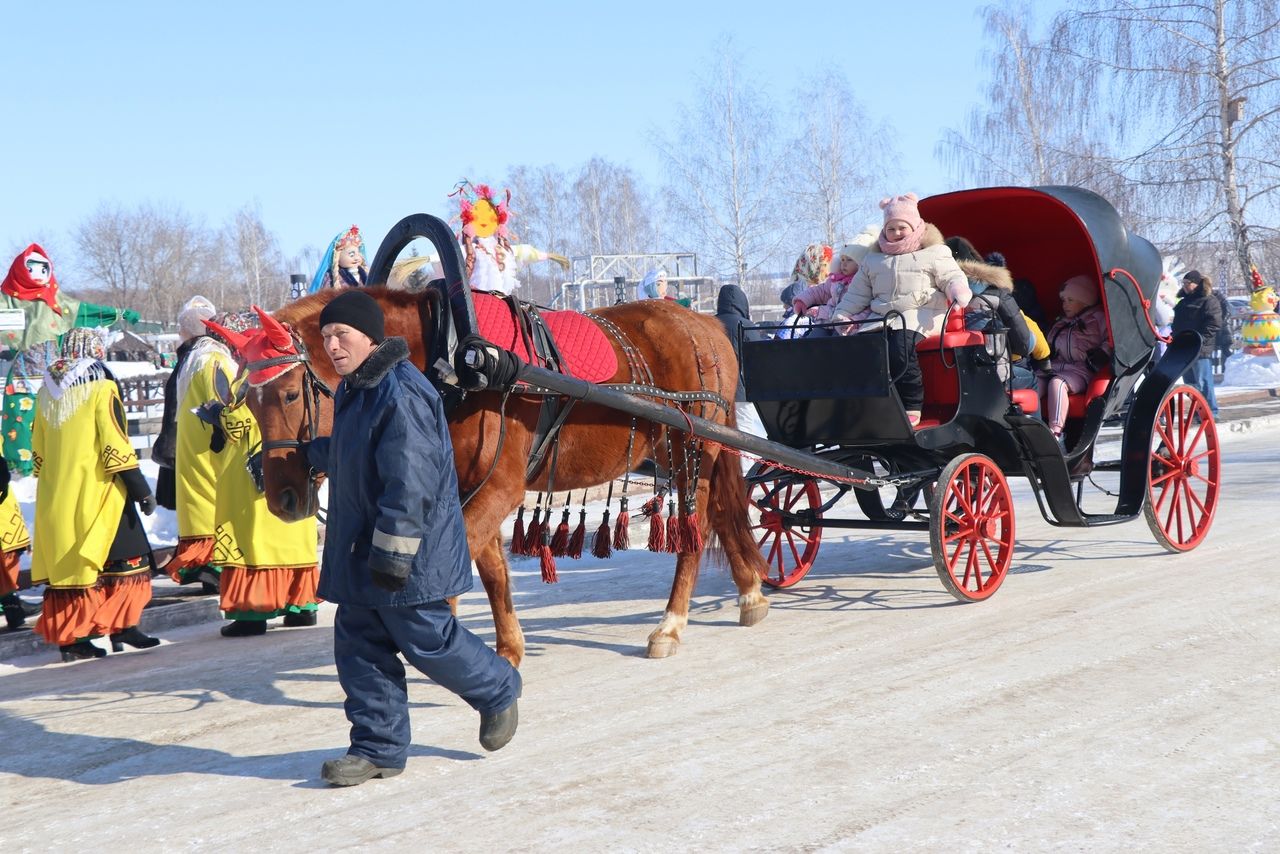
[{"x": 292, "y": 406}]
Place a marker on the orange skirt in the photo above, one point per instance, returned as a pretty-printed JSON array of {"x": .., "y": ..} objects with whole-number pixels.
[
  {"x": 123, "y": 598},
  {"x": 9, "y": 565},
  {"x": 267, "y": 590},
  {"x": 192, "y": 553},
  {"x": 112, "y": 605}
]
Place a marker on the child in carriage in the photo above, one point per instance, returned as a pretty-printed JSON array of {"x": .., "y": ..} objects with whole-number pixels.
[
  {"x": 912, "y": 272},
  {"x": 819, "y": 301},
  {"x": 1079, "y": 349}
]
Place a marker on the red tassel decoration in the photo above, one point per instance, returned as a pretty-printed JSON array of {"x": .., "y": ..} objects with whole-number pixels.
[
  {"x": 560, "y": 541},
  {"x": 692, "y": 533},
  {"x": 601, "y": 546},
  {"x": 579, "y": 538},
  {"x": 673, "y": 529},
  {"x": 547, "y": 561},
  {"x": 622, "y": 528},
  {"x": 517, "y": 533},
  {"x": 533, "y": 537},
  {"x": 657, "y": 538}
]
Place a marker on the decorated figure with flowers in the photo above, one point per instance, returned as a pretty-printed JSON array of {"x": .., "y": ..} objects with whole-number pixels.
[
  {"x": 34, "y": 315},
  {"x": 1261, "y": 329},
  {"x": 343, "y": 264},
  {"x": 492, "y": 260}
]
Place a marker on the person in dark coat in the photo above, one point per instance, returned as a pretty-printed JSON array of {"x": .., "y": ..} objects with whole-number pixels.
[
  {"x": 1222, "y": 345},
  {"x": 395, "y": 549},
  {"x": 734, "y": 311},
  {"x": 994, "y": 308},
  {"x": 1198, "y": 311},
  {"x": 164, "y": 453}
]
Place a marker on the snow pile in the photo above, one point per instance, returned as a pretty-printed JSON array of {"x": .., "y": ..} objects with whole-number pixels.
[{"x": 1245, "y": 371}]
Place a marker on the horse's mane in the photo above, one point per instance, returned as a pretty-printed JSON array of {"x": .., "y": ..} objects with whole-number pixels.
[{"x": 305, "y": 312}]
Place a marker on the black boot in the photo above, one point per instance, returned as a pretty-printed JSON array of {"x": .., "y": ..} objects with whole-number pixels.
[
  {"x": 299, "y": 618},
  {"x": 81, "y": 650},
  {"x": 133, "y": 638},
  {"x": 244, "y": 628},
  {"x": 497, "y": 728},
  {"x": 13, "y": 613}
]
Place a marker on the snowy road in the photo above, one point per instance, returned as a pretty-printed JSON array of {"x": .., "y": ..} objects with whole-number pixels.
[{"x": 1109, "y": 697}]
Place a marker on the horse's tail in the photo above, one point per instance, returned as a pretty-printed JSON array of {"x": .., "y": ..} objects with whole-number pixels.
[{"x": 729, "y": 519}]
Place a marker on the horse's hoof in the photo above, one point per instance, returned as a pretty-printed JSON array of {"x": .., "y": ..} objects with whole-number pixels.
[
  {"x": 663, "y": 647},
  {"x": 749, "y": 615}
]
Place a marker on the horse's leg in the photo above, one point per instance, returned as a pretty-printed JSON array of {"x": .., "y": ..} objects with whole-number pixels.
[
  {"x": 665, "y": 639},
  {"x": 491, "y": 561},
  {"x": 727, "y": 516}
]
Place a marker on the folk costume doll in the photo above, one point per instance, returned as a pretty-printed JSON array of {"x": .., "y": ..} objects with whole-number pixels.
[
  {"x": 1261, "y": 328},
  {"x": 491, "y": 258},
  {"x": 343, "y": 265},
  {"x": 92, "y": 550},
  {"x": 31, "y": 339},
  {"x": 208, "y": 365},
  {"x": 14, "y": 540},
  {"x": 269, "y": 567}
]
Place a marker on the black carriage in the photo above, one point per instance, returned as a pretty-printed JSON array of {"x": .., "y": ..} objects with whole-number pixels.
[{"x": 832, "y": 398}]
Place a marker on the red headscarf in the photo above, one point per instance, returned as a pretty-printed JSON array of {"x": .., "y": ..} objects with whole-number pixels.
[{"x": 19, "y": 284}]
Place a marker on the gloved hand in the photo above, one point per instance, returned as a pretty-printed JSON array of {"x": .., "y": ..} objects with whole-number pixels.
[
  {"x": 1097, "y": 359},
  {"x": 959, "y": 293},
  {"x": 218, "y": 440},
  {"x": 559, "y": 259},
  {"x": 390, "y": 572},
  {"x": 210, "y": 412},
  {"x": 1040, "y": 364},
  {"x": 147, "y": 504}
]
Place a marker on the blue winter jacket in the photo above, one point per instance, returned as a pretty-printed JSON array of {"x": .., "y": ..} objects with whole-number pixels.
[{"x": 393, "y": 489}]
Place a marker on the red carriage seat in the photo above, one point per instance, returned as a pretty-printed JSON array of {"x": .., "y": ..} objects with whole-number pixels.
[
  {"x": 938, "y": 369},
  {"x": 1077, "y": 403}
]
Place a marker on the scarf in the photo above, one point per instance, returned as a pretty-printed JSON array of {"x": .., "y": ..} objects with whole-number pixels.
[
  {"x": 19, "y": 284},
  {"x": 67, "y": 385},
  {"x": 194, "y": 363},
  {"x": 905, "y": 246}
]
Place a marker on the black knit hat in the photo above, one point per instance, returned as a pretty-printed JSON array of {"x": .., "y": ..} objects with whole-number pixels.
[
  {"x": 962, "y": 249},
  {"x": 1194, "y": 277},
  {"x": 356, "y": 309}
]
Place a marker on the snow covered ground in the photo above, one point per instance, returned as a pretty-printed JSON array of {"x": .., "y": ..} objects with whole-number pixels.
[{"x": 1110, "y": 697}]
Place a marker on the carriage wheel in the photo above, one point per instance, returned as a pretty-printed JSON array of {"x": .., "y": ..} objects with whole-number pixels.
[
  {"x": 788, "y": 549},
  {"x": 971, "y": 527},
  {"x": 1185, "y": 471}
]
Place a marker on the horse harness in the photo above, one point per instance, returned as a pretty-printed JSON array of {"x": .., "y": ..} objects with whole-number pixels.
[{"x": 312, "y": 389}]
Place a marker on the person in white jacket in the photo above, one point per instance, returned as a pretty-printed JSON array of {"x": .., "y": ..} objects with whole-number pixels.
[{"x": 911, "y": 272}]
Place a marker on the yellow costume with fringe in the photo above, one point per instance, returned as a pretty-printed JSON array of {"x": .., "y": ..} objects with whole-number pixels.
[
  {"x": 80, "y": 443},
  {"x": 269, "y": 565}
]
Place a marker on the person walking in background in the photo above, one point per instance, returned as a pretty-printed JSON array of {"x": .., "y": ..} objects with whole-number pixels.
[
  {"x": 267, "y": 566},
  {"x": 92, "y": 550},
  {"x": 1078, "y": 350},
  {"x": 1222, "y": 342},
  {"x": 1198, "y": 311},
  {"x": 164, "y": 451},
  {"x": 734, "y": 312},
  {"x": 206, "y": 367},
  {"x": 911, "y": 272},
  {"x": 395, "y": 549},
  {"x": 14, "y": 540}
]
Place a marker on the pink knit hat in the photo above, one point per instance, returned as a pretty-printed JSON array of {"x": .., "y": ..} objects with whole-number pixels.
[
  {"x": 904, "y": 208},
  {"x": 1082, "y": 289}
]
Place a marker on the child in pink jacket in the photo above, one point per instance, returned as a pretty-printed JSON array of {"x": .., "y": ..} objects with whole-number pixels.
[
  {"x": 819, "y": 302},
  {"x": 1079, "y": 348}
]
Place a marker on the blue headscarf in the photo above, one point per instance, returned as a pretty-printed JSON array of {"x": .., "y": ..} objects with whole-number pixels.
[
  {"x": 648, "y": 287},
  {"x": 327, "y": 261}
]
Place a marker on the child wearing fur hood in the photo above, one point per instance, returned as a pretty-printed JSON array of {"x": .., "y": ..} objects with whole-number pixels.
[{"x": 911, "y": 272}]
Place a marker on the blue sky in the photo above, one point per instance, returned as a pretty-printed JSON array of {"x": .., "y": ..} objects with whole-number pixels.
[{"x": 326, "y": 114}]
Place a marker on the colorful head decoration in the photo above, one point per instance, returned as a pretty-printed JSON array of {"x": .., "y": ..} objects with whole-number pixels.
[
  {"x": 481, "y": 213},
  {"x": 329, "y": 267},
  {"x": 252, "y": 343},
  {"x": 82, "y": 343},
  {"x": 31, "y": 278},
  {"x": 813, "y": 265}
]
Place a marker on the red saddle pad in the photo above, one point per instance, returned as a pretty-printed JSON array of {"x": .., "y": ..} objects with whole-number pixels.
[{"x": 583, "y": 346}]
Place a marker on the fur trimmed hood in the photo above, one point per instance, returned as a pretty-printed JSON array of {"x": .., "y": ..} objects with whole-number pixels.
[
  {"x": 379, "y": 363},
  {"x": 990, "y": 274},
  {"x": 931, "y": 237}
]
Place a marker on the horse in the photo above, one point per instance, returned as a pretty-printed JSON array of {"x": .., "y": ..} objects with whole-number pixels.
[{"x": 681, "y": 350}]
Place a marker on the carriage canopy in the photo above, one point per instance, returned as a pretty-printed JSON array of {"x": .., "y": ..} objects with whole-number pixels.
[{"x": 1048, "y": 235}]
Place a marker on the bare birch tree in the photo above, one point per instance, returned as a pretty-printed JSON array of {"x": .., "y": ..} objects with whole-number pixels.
[
  {"x": 257, "y": 257},
  {"x": 725, "y": 164},
  {"x": 840, "y": 160},
  {"x": 1192, "y": 90}
]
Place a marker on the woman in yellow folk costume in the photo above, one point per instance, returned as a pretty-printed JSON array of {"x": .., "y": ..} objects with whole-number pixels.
[
  {"x": 196, "y": 465},
  {"x": 14, "y": 540},
  {"x": 269, "y": 567},
  {"x": 92, "y": 550}
]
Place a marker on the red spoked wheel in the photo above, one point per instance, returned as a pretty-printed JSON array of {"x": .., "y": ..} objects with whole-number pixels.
[
  {"x": 1185, "y": 471},
  {"x": 788, "y": 548},
  {"x": 971, "y": 527}
]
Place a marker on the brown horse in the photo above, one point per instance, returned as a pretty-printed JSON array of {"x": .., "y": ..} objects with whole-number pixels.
[{"x": 683, "y": 350}]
